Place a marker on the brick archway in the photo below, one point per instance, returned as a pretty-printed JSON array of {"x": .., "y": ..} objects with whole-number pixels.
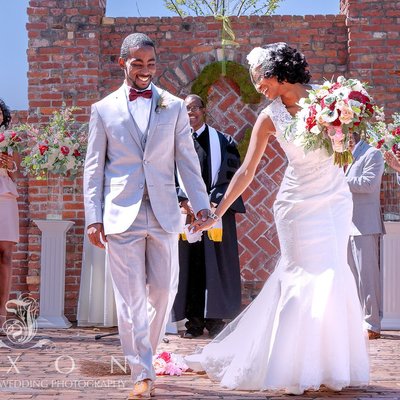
[{"x": 226, "y": 111}]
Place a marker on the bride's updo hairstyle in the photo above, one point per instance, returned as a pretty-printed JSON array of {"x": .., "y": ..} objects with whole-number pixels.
[{"x": 281, "y": 61}]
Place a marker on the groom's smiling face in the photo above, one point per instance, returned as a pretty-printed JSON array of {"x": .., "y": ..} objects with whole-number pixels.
[{"x": 140, "y": 67}]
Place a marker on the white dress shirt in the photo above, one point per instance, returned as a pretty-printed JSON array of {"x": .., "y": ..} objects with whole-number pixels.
[{"x": 139, "y": 109}]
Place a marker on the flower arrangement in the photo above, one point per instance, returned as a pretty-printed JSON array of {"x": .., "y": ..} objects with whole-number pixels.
[
  {"x": 58, "y": 147},
  {"x": 10, "y": 142},
  {"x": 385, "y": 137},
  {"x": 161, "y": 103},
  {"x": 328, "y": 116},
  {"x": 167, "y": 363}
]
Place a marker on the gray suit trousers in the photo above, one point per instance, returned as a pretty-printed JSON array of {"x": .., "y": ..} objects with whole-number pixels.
[
  {"x": 144, "y": 267},
  {"x": 363, "y": 258}
]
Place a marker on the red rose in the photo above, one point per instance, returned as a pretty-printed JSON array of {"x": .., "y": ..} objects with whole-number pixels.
[
  {"x": 335, "y": 86},
  {"x": 380, "y": 143},
  {"x": 76, "y": 153},
  {"x": 15, "y": 137},
  {"x": 165, "y": 356},
  {"x": 395, "y": 147},
  {"x": 358, "y": 96},
  {"x": 65, "y": 150},
  {"x": 370, "y": 108},
  {"x": 310, "y": 122},
  {"x": 43, "y": 148},
  {"x": 396, "y": 132}
]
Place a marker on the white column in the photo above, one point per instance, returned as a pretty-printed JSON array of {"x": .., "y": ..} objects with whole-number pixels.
[
  {"x": 52, "y": 273},
  {"x": 390, "y": 274}
]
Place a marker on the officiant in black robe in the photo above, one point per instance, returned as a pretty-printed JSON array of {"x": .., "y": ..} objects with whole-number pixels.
[{"x": 209, "y": 289}]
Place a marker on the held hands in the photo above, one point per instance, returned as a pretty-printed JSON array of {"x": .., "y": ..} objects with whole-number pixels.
[
  {"x": 96, "y": 235},
  {"x": 187, "y": 208},
  {"x": 205, "y": 221}
]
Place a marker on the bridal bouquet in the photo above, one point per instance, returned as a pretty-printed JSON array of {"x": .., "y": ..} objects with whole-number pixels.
[
  {"x": 385, "y": 137},
  {"x": 167, "y": 363},
  {"x": 58, "y": 147},
  {"x": 10, "y": 142},
  {"x": 330, "y": 114}
]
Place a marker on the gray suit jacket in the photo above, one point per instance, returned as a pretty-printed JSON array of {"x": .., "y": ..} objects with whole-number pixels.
[
  {"x": 118, "y": 166},
  {"x": 364, "y": 177}
]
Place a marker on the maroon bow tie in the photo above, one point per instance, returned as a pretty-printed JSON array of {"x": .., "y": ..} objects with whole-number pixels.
[{"x": 134, "y": 94}]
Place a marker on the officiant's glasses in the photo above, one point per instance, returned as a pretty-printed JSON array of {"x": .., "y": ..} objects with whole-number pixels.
[{"x": 194, "y": 108}]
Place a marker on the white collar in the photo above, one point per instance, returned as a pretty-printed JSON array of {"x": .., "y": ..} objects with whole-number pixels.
[{"x": 200, "y": 130}]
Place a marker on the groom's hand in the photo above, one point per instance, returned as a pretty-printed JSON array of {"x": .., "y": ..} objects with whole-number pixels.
[
  {"x": 203, "y": 214},
  {"x": 96, "y": 235}
]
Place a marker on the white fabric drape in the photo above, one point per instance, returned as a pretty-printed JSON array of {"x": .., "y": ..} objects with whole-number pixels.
[{"x": 96, "y": 305}]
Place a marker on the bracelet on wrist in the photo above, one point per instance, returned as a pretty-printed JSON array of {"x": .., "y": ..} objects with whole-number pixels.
[{"x": 213, "y": 216}]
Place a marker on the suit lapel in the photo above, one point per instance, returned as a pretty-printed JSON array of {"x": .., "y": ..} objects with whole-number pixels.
[
  {"x": 126, "y": 116},
  {"x": 153, "y": 114},
  {"x": 356, "y": 155}
]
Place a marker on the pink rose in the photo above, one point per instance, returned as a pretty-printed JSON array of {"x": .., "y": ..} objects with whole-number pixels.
[
  {"x": 2, "y": 137},
  {"x": 159, "y": 366},
  {"x": 346, "y": 115}
]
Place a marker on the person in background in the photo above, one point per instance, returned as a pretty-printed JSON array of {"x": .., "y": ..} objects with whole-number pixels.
[
  {"x": 209, "y": 288},
  {"x": 364, "y": 176},
  {"x": 9, "y": 219}
]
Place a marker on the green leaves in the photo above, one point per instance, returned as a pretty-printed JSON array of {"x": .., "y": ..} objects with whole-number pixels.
[{"x": 221, "y": 7}]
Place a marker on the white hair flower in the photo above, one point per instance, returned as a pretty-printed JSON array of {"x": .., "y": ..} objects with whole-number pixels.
[{"x": 256, "y": 57}]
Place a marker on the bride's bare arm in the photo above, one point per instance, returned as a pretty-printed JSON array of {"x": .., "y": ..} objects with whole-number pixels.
[{"x": 262, "y": 130}]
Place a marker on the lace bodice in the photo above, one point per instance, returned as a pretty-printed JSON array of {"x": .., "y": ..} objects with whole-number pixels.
[{"x": 297, "y": 157}]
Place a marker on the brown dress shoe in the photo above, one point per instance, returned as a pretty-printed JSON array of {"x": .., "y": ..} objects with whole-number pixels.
[
  {"x": 142, "y": 390},
  {"x": 373, "y": 335}
]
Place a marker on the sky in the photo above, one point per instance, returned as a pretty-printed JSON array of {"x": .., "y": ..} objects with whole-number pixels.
[{"x": 14, "y": 38}]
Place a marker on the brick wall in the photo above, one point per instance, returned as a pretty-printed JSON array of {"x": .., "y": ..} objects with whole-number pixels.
[{"x": 73, "y": 53}]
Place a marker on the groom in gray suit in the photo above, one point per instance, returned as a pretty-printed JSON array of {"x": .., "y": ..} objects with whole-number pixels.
[
  {"x": 138, "y": 135},
  {"x": 364, "y": 177}
]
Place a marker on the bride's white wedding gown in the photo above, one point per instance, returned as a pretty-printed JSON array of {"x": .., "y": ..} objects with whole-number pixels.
[{"x": 305, "y": 327}]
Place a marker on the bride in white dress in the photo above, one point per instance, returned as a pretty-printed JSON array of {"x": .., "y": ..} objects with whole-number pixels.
[{"x": 305, "y": 327}]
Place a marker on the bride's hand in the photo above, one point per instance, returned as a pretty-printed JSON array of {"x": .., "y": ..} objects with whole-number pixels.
[{"x": 199, "y": 225}]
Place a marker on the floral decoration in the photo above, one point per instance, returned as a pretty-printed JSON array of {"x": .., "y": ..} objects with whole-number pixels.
[
  {"x": 330, "y": 114},
  {"x": 161, "y": 103},
  {"x": 167, "y": 363},
  {"x": 385, "y": 137},
  {"x": 10, "y": 142},
  {"x": 58, "y": 147}
]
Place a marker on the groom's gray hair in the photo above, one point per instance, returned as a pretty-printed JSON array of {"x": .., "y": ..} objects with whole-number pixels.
[{"x": 135, "y": 40}]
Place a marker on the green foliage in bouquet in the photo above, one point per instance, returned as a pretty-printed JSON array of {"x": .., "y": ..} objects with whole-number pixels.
[
  {"x": 329, "y": 115},
  {"x": 58, "y": 147}
]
